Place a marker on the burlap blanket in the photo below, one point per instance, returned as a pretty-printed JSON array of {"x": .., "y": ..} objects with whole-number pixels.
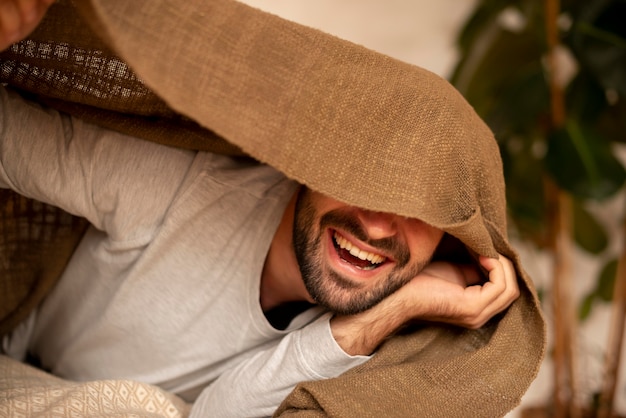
[{"x": 351, "y": 123}]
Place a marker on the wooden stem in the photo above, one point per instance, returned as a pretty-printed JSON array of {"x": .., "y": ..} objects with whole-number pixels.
[
  {"x": 565, "y": 388},
  {"x": 616, "y": 337},
  {"x": 565, "y": 385}
]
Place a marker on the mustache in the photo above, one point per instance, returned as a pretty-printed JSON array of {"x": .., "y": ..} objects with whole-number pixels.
[{"x": 348, "y": 222}]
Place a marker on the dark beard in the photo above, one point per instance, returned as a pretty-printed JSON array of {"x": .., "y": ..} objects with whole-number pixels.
[{"x": 329, "y": 289}]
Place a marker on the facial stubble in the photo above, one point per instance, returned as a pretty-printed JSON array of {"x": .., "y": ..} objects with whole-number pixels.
[{"x": 330, "y": 289}]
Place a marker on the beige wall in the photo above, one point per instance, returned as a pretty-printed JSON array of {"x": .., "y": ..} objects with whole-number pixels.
[{"x": 421, "y": 32}]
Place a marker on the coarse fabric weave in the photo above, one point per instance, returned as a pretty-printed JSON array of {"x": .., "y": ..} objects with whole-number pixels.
[
  {"x": 36, "y": 241},
  {"x": 346, "y": 121}
]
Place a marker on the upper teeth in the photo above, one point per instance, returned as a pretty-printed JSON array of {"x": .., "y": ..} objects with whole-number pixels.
[{"x": 357, "y": 252}]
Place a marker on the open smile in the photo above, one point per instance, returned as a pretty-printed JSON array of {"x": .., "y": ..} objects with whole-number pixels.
[{"x": 357, "y": 257}]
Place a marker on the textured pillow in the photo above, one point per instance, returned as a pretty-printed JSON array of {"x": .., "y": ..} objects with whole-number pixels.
[{"x": 29, "y": 392}]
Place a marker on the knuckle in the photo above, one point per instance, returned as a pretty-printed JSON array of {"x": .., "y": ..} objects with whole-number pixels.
[
  {"x": 474, "y": 318},
  {"x": 513, "y": 292},
  {"x": 476, "y": 323}
]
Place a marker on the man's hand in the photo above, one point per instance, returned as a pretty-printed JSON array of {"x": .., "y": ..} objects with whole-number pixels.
[
  {"x": 455, "y": 296},
  {"x": 18, "y": 18},
  {"x": 442, "y": 292}
]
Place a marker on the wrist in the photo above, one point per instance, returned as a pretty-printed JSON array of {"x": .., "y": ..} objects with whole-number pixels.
[{"x": 363, "y": 333}]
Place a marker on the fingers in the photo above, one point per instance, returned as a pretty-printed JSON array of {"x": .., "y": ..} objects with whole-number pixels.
[
  {"x": 450, "y": 272},
  {"x": 443, "y": 292},
  {"x": 462, "y": 274},
  {"x": 498, "y": 293},
  {"x": 471, "y": 274},
  {"x": 480, "y": 303},
  {"x": 503, "y": 277},
  {"x": 18, "y": 18}
]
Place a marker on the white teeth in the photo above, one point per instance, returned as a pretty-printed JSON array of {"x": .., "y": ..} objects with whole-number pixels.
[{"x": 357, "y": 252}]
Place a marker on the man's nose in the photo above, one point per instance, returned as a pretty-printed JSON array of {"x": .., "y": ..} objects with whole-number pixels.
[{"x": 378, "y": 224}]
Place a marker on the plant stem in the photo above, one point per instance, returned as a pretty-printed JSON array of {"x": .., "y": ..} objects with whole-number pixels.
[
  {"x": 616, "y": 337},
  {"x": 565, "y": 385},
  {"x": 565, "y": 388}
]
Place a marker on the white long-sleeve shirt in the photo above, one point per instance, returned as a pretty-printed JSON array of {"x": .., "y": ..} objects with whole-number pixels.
[{"x": 164, "y": 288}]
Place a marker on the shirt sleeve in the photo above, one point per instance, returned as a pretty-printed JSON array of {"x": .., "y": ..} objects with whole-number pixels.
[
  {"x": 257, "y": 386},
  {"x": 122, "y": 185}
]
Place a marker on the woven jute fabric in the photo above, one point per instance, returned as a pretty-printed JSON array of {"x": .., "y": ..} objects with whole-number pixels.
[
  {"x": 346, "y": 121},
  {"x": 36, "y": 242}
]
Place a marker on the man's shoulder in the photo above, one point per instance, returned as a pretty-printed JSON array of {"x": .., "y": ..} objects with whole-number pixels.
[{"x": 241, "y": 172}]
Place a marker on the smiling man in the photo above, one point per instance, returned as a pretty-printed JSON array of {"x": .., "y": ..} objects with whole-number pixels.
[
  {"x": 228, "y": 281},
  {"x": 356, "y": 258},
  {"x": 349, "y": 259},
  {"x": 213, "y": 249}
]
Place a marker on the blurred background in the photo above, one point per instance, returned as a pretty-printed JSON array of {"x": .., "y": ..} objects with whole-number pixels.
[{"x": 549, "y": 77}]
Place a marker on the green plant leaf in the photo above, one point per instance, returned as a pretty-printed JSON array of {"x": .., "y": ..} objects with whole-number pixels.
[
  {"x": 586, "y": 99},
  {"x": 581, "y": 162},
  {"x": 495, "y": 60},
  {"x": 484, "y": 15},
  {"x": 588, "y": 233},
  {"x": 603, "y": 290},
  {"x": 523, "y": 172},
  {"x": 521, "y": 104},
  {"x": 612, "y": 122},
  {"x": 585, "y": 307},
  {"x": 606, "y": 281},
  {"x": 509, "y": 90},
  {"x": 598, "y": 39}
]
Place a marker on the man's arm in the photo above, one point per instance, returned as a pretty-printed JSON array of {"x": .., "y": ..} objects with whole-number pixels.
[
  {"x": 442, "y": 292},
  {"x": 258, "y": 384},
  {"x": 122, "y": 185}
]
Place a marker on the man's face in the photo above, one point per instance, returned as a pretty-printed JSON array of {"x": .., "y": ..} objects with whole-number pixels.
[{"x": 351, "y": 258}]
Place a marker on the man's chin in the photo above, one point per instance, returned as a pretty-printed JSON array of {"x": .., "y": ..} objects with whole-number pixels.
[
  {"x": 346, "y": 304},
  {"x": 341, "y": 294}
]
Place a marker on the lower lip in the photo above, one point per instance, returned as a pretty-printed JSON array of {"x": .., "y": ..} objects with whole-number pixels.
[{"x": 345, "y": 268}]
